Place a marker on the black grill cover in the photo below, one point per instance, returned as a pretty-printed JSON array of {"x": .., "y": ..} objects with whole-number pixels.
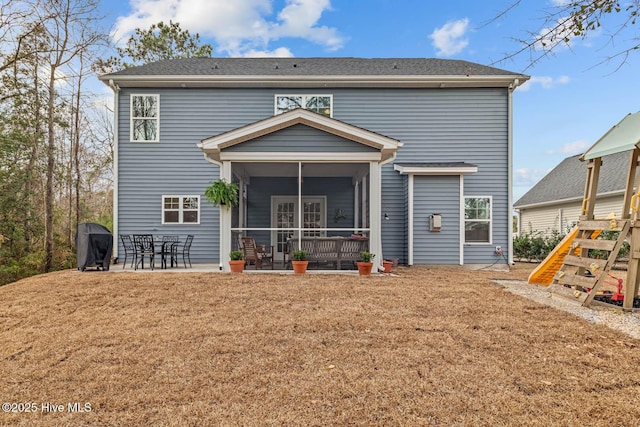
[{"x": 94, "y": 244}]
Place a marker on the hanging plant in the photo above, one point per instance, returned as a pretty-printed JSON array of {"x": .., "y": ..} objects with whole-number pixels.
[{"x": 222, "y": 193}]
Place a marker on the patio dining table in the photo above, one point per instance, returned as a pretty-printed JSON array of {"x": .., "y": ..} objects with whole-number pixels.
[{"x": 163, "y": 245}]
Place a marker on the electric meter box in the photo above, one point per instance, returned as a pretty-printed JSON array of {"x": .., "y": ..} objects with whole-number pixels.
[{"x": 435, "y": 222}]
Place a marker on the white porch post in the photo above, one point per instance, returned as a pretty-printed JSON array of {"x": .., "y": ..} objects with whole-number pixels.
[
  {"x": 365, "y": 224},
  {"x": 356, "y": 210},
  {"x": 375, "y": 213},
  {"x": 410, "y": 225},
  {"x": 225, "y": 222}
]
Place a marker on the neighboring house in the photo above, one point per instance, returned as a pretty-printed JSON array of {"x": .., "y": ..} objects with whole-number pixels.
[
  {"x": 555, "y": 203},
  {"x": 413, "y": 153}
]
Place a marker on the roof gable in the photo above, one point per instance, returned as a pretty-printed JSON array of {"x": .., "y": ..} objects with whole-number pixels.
[{"x": 214, "y": 145}]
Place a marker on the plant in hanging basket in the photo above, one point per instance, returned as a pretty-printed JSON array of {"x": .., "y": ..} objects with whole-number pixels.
[
  {"x": 222, "y": 193},
  {"x": 236, "y": 263},
  {"x": 299, "y": 262}
]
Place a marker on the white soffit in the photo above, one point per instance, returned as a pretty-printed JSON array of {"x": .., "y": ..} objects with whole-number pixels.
[
  {"x": 622, "y": 137},
  {"x": 457, "y": 169}
]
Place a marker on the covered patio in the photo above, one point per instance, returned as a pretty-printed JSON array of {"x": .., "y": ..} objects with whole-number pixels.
[{"x": 301, "y": 175}]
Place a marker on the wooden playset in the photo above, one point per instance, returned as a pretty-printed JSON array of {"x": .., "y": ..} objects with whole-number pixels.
[{"x": 581, "y": 263}]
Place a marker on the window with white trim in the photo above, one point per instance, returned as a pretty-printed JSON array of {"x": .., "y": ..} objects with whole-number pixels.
[
  {"x": 322, "y": 104},
  {"x": 145, "y": 118},
  {"x": 477, "y": 219},
  {"x": 181, "y": 209}
]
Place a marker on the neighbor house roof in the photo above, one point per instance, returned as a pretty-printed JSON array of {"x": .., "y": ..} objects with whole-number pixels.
[
  {"x": 566, "y": 181},
  {"x": 190, "y": 72}
]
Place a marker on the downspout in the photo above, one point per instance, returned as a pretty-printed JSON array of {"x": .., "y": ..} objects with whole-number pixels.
[
  {"x": 382, "y": 163},
  {"x": 116, "y": 108},
  {"x": 560, "y": 221},
  {"x": 378, "y": 222},
  {"x": 510, "y": 90}
]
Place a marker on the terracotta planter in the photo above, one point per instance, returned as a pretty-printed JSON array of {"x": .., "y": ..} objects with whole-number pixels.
[
  {"x": 364, "y": 268},
  {"x": 299, "y": 267},
  {"x": 387, "y": 266},
  {"x": 236, "y": 266}
]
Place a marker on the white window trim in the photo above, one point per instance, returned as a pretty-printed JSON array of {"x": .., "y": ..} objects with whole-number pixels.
[
  {"x": 131, "y": 118},
  {"x": 303, "y": 95},
  {"x": 180, "y": 209},
  {"x": 464, "y": 234}
]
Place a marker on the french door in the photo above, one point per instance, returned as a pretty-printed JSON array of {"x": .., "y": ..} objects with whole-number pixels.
[{"x": 284, "y": 218}]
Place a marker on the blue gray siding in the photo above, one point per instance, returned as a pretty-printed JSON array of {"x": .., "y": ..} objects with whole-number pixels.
[
  {"x": 435, "y": 125},
  {"x": 436, "y": 195},
  {"x": 301, "y": 138}
]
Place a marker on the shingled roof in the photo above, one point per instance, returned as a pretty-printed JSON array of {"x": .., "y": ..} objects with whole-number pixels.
[
  {"x": 567, "y": 180},
  {"x": 314, "y": 72},
  {"x": 313, "y": 66}
]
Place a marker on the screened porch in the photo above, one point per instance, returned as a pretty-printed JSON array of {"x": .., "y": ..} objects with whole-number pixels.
[{"x": 321, "y": 208}]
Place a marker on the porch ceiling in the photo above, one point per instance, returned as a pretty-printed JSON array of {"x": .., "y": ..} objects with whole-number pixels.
[{"x": 308, "y": 169}]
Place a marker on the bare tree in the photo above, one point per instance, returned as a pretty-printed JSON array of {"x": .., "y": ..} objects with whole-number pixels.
[
  {"x": 579, "y": 19},
  {"x": 67, "y": 37}
]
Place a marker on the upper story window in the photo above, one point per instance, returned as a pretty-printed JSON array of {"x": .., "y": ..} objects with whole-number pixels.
[
  {"x": 145, "y": 118},
  {"x": 180, "y": 209},
  {"x": 322, "y": 104},
  {"x": 477, "y": 219}
]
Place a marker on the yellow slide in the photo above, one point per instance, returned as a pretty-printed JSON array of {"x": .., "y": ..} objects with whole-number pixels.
[{"x": 544, "y": 273}]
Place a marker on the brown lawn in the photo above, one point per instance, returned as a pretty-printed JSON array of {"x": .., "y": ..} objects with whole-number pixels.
[{"x": 433, "y": 346}]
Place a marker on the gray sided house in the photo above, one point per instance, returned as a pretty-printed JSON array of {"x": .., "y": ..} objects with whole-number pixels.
[
  {"x": 415, "y": 154},
  {"x": 554, "y": 204}
]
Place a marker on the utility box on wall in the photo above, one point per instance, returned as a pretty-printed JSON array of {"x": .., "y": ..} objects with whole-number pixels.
[{"x": 435, "y": 222}]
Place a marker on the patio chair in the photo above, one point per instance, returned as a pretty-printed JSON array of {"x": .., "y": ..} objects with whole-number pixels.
[
  {"x": 144, "y": 247},
  {"x": 168, "y": 241},
  {"x": 259, "y": 255},
  {"x": 184, "y": 249},
  {"x": 129, "y": 250}
]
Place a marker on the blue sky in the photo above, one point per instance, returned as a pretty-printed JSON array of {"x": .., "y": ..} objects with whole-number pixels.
[{"x": 570, "y": 102}]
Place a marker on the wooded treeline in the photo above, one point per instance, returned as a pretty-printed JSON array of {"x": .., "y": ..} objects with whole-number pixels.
[{"x": 55, "y": 133}]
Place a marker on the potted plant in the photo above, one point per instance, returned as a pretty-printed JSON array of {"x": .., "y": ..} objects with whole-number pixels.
[
  {"x": 236, "y": 263},
  {"x": 387, "y": 264},
  {"x": 365, "y": 266},
  {"x": 299, "y": 262},
  {"x": 222, "y": 193}
]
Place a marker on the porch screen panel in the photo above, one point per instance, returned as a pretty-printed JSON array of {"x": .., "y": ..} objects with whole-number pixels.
[
  {"x": 312, "y": 218},
  {"x": 285, "y": 219}
]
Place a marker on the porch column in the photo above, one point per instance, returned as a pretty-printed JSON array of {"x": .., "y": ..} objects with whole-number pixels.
[
  {"x": 364, "y": 193},
  {"x": 356, "y": 206},
  {"x": 375, "y": 213},
  {"x": 225, "y": 222}
]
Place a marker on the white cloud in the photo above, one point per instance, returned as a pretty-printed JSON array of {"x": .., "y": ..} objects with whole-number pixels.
[
  {"x": 545, "y": 81},
  {"x": 237, "y": 26},
  {"x": 560, "y": 2},
  {"x": 281, "y": 52},
  {"x": 553, "y": 38},
  {"x": 450, "y": 38},
  {"x": 527, "y": 177},
  {"x": 571, "y": 148}
]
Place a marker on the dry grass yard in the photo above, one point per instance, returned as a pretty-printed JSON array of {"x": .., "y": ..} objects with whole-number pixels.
[{"x": 431, "y": 346}]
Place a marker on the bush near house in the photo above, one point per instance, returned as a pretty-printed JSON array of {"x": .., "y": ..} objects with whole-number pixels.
[{"x": 534, "y": 247}]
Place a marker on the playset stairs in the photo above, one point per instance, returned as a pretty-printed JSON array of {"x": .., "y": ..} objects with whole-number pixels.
[{"x": 580, "y": 260}]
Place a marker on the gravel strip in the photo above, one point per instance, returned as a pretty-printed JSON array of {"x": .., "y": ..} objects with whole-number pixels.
[{"x": 628, "y": 323}]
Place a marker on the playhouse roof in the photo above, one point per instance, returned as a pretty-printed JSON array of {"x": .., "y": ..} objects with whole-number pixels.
[{"x": 622, "y": 137}]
